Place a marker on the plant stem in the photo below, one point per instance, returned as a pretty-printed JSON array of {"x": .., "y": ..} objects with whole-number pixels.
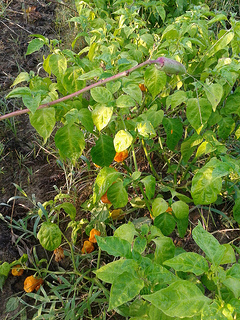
[
  {"x": 72, "y": 95},
  {"x": 156, "y": 175}
]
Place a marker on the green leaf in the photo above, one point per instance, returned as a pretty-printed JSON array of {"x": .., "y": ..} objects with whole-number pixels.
[
  {"x": 23, "y": 76},
  {"x": 4, "y": 269},
  {"x": 70, "y": 80},
  {"x": 156, "y": 274},
  {"x": 32, "y": 101},
  {"x": 198, "y": 112},
  {"x": 216, "y": 311},
  {"x": 101, "y": 95},
  {"x": 145, "y": 129},
  {"x": 124, "y": 288},
  {"x": 189, "y": 145},
  {"x": 174, "y": 130},
  {"x": 50, "y": 236},
  {"x": 91, "y": 74},
  {"x": 70, "y": 142},
  {"x": 182, "y": 225},
  {"x": 226, "y": 127},
  {"x": 188, "y": 262},
  {"x": 177, "y": 98},
  {"x": 117, "y": 195},
  {"x": 180, "y": 299},
  {"x": 85, "y": 116},
  {"x": 214, "y": 93},
  {"x": 109, "y": 272},
  {"x": 34, "y": 45},
  {"x": 126, "y": 232},
  {"x": 113, "y": 86},
  {"x": 210, "y": 246},
  {"x": 12, "y": 304},
  {"x": 101, "y": 116},
  {"x": 149, "y": 183},
  {"x": 125, "y": 101},
  {"x": 232, "y": 280},
  {"x": 155, "y": 80},
  {"x": 58, "y": 65},
  {"x": 159, "y": 206},
  {"x": 140, "y": 244},
  {"x": 229, "y": 255},
  {"x": 205, "y": 185},
  {"x": 134, "y": 92},
  {"x": 180, "y": 209},
  {"x": 165, "y": 222},
  {"x": 153, "y": 115},
  {"x": 115, "y": 246},
  {"x": 103, "y": 152},
  {"x": 68, "y": 208},
  {"x": 104, "y": 180},
  {"x": 19, "y": 92},
  {"x": 165, "y": 249},
  {"x": 232, "y": 103},
  {"x": 43, "y": 121},
  {"x": 236, "y": 210},
  {"x": 122, "y": 140},
  {"x": 221, "y": 43}
]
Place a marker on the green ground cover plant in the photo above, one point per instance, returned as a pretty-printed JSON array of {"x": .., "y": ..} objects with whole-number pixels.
[{"x": 161, "y": 77}]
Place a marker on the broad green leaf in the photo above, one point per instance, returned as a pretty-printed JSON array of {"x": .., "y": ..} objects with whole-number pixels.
[
  {"x": 237, "y": 133},
  {"x": 109, "y": 272},
  {"x": 122, "y": 140},
  {"x": 125, "y": 101},
  {"x": 174, "y": 130},
  {"x": 103, "y": 152},
  {"x": 115, "y": 246},
  {"x": 155, "y": 80},
  {"x": 35, "y": 45},
  {"x": 232, "y": 280},
  {"x": 180, "y": 299},
  {"x": 32, "y": 101},
  {"x": 161, "y": 12},
  {"x": 226, "y": 127},
  {"x": 210, "y": 246},
  {"x": 157, "y": 314},
  {"x": 189, "y": 145},
  {"x": 221, "y": 43},
  {"x": 153, "y": 115},
  {"x": 229, "y": 255},
  {"x": 188, "y": 262},
  {"x": 70, "y": 142},
  {"x": 85, "y": 117},
  {"x": 91, "y": 74},
  {"x": 117, "y": 195},
  {"x": 19, "y": 92},
  {"x": 134, "y": 92},
  {"x": 68, "y": 208},
  {"x": 49, "y": 236},
  {"x": 126, "y": 232},
  {"x": 43, "y": 121},
  {"x": 214, "y": 93},
  {"x": 182, "y": 225},
  {"x": 205, "y": 186},
  {"x": 101, "y": 116},
  {"x": 177, "y": 98},
  {"x": 218, "y": 17},
  {"x": 113, "y": 86},
  {"x": 101, "y": 95},
  {"x": 165, "y": 222},
  {"x": 145, "y": 129},
  {"x": 70, "y": 80},
  {"x": 140, "y": 244},
  {"x": 58, "y": 65},
  {"x": 147, "y": 40},
  {"x": 104, "y": 180},
  {"x": 23, "y": 76},
  {"x": 156, "y": 274},
  {"x": 180, "y": 209},
  {"x": 4, "y": 271},
  {"x": 165, "y": 249},
  {"x": 198, "y": 112},
  {"x": 12, "y": 304},
  {"x": 159, "y": 206},
  {"x": 124, "y": 288},
  {"x": 149, "y": 183},
  {"x": 216, "y": 311},
  {"x": 232, "y": 103}
]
